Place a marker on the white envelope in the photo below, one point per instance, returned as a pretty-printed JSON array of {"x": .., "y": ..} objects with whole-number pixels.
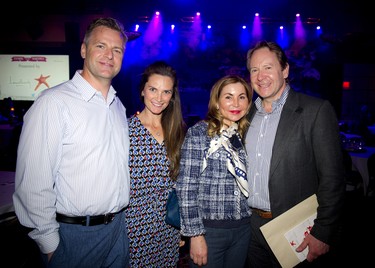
[{"x": 290, "y": 226}]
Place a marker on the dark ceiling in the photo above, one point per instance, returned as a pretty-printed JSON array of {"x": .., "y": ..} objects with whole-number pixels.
[
  {"x": 339, "y": 17},
  {"x": 344, "y": 22}
]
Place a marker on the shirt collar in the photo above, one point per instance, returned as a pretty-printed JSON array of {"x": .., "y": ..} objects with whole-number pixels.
[
  {"x": 87, "y": 91},
  {"x": 277, "y": 103}
]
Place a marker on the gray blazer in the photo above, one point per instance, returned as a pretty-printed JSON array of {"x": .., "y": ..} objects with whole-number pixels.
[{"x": 307, "y": 159}]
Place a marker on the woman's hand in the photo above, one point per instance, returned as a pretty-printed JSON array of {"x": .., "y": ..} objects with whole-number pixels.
[{"x": 198, "y": 250}]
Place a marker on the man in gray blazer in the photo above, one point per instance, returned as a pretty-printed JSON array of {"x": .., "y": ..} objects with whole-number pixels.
[{"x": 294, "y": 151}]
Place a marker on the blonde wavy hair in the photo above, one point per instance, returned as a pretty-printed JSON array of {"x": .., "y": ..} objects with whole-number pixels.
[{"x": 214, "y": 118}]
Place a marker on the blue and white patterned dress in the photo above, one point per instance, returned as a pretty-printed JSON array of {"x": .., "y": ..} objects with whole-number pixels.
[{"x": 153, "y": 243}]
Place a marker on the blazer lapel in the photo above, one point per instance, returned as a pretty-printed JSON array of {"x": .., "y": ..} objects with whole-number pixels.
[{"x": 289, "y": 119}]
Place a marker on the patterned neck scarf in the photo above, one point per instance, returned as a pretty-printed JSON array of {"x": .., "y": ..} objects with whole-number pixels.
[{"x": 229, "y": 139}]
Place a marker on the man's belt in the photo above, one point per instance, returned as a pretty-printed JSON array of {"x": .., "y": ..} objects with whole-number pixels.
[
  {"x": 262, "y": 213},
  {"x": 86, "y": 220}
]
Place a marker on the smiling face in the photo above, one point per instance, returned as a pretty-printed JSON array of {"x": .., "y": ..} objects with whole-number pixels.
[
  {"x": 266, "y": 75},
  {"x": 157, "y": 93},
  {"x": 233, "y": 103},
  {"x": 103, "y": 53}
]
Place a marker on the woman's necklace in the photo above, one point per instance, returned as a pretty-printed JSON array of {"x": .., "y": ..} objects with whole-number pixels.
[
  {"x": 157, "y": 130},
  {"x": 154, "y": 130}
]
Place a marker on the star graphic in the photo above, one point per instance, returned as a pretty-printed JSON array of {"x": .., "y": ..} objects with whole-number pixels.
[{"x": 41, "y": 80}]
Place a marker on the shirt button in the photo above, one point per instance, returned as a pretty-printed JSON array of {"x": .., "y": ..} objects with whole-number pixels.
[{"x": 236, "y": 193}]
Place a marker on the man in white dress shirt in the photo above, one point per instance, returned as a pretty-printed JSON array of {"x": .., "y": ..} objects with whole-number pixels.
[{"x": 72, "y": 176}]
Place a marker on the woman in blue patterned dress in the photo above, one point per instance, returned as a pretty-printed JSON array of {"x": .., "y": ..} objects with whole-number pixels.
[{"x": 156, "y": 134}]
